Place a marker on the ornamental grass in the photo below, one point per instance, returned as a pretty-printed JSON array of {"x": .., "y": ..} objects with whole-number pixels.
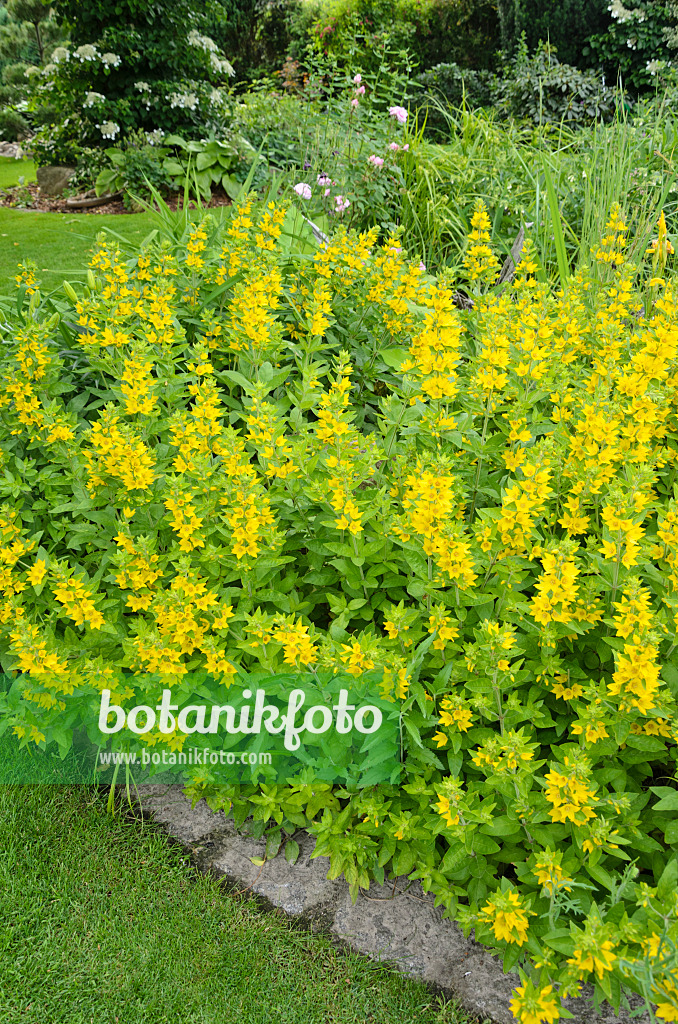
[{"x": 224, "y": 454}]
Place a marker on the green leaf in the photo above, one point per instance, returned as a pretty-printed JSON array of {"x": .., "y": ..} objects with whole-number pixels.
[
  {"x": 483, "y": 844},
  {"x": 502, "y": 826},
  {"x": 669, "y": 879},
  {"x": 669, "y": 798},
  {"x": 173, "y": 167},
  {"x": 205, "y": 160},
  {"x": 230, "y": 186},
  {"x": 105, "y": 179},
  {"x": 242, "y": 382},
  {"x": 394, "y": 356},
  {"x": 558, "y": 236},
  {"x": 671, "y": 832},
  {"x": 511, "y": 957}
]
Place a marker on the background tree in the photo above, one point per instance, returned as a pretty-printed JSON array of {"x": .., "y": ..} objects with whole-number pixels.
[{"x": 27, "y": 30}]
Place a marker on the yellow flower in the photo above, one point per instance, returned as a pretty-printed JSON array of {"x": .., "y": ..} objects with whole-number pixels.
[
  {"x": 531, "y": 1005},
  {"x": 506, "y": 914},
  {"x": 36, "y": 573},
  {"x": 597, "y": 957}
]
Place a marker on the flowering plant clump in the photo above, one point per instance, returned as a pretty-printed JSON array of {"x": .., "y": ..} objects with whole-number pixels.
[{"x": 222, "y": 456}]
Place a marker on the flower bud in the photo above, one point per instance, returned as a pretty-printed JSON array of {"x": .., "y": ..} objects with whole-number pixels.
[{"x": 70, "y": 291}]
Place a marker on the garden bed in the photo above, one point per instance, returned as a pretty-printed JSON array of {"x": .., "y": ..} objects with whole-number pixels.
[{"x": 28, "y": 197}]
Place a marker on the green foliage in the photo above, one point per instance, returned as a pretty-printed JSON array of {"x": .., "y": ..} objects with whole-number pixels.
[
  {"x": 431, "y": 30},
  {"x": 566, "y": 25},
  {"x": 449, "y": 85},
  {"x": 26, "y": 28},
  {"x": 546, "y": 91},
  {"x": 256, "y": 34},
  {"x": 13, "y": 125},
  {"x": 319, "y": 133}
]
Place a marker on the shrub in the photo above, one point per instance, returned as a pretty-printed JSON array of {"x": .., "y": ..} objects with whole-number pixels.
[
  {"x": 130, "y": 68},
  {"x": 546, "y": 91},
  {"x": 219, "y": 445},
  {"x": 634, "y": 43},
  {"x": 448, "y": 85},
  {"x": 339, "y": 138}
]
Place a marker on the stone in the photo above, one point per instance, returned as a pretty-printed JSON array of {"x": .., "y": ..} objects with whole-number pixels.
[
  {"x": 11, "y": 149},
  {"x": 53, "y": 180}
]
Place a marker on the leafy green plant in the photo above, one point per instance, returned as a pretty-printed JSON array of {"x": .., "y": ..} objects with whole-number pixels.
[
  {"x": 171, "y": 165},
  {"x": 546, "y": 91}
]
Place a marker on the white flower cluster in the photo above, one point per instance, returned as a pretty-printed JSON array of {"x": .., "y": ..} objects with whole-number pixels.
[
  {"x": 91, "y": 98},
  {"x": 31, "y": 71},
  {"x": 155, "y": 137},
  {"x": 145, "y": 89},
  {"x": 623, "y": 14},
  {"x": 109, "y": 129},
  {"x": 216, "y": 97},
  {"x": 185, "y": 100},
  {"x": 204, "y": 42},
  {"x": 85, "y": 53},
  {"x": 222, "y": 67}
]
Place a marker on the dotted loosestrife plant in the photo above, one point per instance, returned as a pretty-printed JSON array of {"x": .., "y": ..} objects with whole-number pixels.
[{"x": 224, "y": 454}]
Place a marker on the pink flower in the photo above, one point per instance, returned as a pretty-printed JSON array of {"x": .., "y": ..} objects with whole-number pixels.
[
  {"x": 406, "y": 147},
  {"x": 360, "y": 91},
  {"x": 326, "y": 192},
  {"x": 303, "y": 190},
  {"x": 399, "y": 113},
  {"x": 357, "y": 79},
  {"x": 341, "y": 203},
  {"x": 324, "y": 179},
  {"x": 394, "y": 147},
  {"x": 422, "y": 265},
  {"x": 354, "y": 102},
  {"x": 376, "y": 161}
]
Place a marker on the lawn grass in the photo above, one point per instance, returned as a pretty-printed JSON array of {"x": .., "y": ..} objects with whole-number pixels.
[
  {"x": 11, "y": 170},
  {"x": 103, "y": 921},
  {"x": 58, "y": 242}
]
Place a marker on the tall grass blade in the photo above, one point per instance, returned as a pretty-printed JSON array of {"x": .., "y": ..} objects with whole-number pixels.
[{"x": 558, "y": 236}]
